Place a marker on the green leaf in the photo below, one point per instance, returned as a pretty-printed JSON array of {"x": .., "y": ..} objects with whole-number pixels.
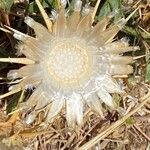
[
  {"x": 54, "y": 4},
  {"x": 32, "y": 8},
  {"x": 110, "y": 6},
  {"x": 6, "y": 4},
  {"x": 11, "y": 106},
  {"x": 147, "y": 78},
  {"x": 117, "y": 99},
  {"x": 130, "y": 121},
  {"x": 135, "y": 32},
  {"x": 131, "y": 31}
]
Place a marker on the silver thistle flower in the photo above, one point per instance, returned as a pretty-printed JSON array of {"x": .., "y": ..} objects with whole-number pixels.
[{"x": 73, "y": 65}]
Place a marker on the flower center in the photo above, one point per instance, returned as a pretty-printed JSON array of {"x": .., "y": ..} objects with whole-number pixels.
[{"x": 69, "y": 63}]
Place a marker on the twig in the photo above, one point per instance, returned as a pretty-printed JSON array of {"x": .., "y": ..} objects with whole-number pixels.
[
  {"x": 120, "y": 76},
  {"x": 5, "y": 30},
  {"x": 127, "y": 19},
  {"x": 144, "y": 30},
  {"x": 18, "y": 32},
  {"x": 138, "y": 57},
  {"x": 87, "y": 134},
  {"x": 26, "y": 134},
  {"x": 24, "y": 61},
  {"x": 148, "y": 138},
  {"x": 10, "y": 93},
  {"x": 11, "y": 121},
  {"x": 95, "y": 10},
  {"x": 45, "y": 16}
]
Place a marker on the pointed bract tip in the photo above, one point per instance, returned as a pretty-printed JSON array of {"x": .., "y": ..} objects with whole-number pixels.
[
  {"x": 124, "y": 40},
  {"x": 12, "y": 74},
  {"x": 121, "y": 23},
  {"x": 54, "y": 14},
  {"x": 63, "y": 3},
  {"x": 113, "y": 13},
  {"x": 77, "y": 5},
  {"x": 30, "y": 118},
  {"x": 86, "y": 9},
  {"x": 19, "y": 37},
  {"x": 29, "y": 21}
]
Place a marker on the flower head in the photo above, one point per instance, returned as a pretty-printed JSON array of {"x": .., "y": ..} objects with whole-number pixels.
[{"x": 74, "y": 64}]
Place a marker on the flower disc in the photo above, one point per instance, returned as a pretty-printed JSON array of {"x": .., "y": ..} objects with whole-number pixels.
[{"x": 69, "y": 63}]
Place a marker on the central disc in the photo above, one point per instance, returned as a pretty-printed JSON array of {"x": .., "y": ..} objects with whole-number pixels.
[{"x": 69, "y": 63}]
